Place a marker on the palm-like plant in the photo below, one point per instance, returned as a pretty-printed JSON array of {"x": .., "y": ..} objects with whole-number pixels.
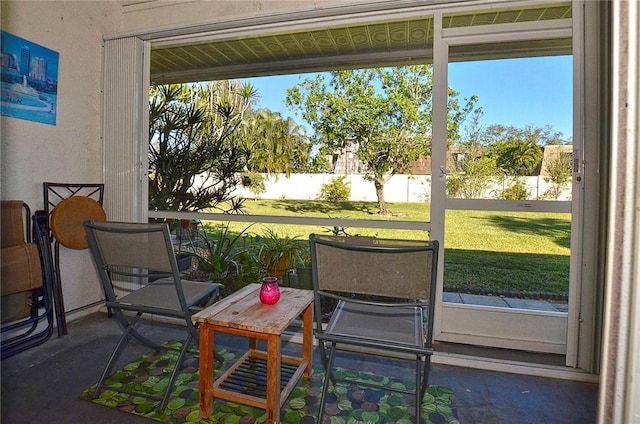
[
  {"x": 278, "y": 145},
  {"x": 279, "y": 253},
  {"x": 194, "y": 153},
  {"x": 517, "y": 150},
  {"x": 229, "y": 258}
]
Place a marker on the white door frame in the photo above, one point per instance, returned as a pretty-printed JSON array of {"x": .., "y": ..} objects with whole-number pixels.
[{"x": 498, "y": 327}]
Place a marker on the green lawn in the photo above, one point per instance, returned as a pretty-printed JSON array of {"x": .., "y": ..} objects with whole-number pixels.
[{"x": 512, "y": 253}]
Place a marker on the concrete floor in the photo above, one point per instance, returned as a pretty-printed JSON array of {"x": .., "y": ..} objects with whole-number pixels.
[{"x": 43, "y": 385}]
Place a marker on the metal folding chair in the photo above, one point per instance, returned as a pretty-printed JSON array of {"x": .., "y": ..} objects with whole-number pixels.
[
  {"x": 125, "y": 254},
  {"x": 384, "y": 292},
  {"x": 72, "y": 216},
  {"x": 26, "y": 279}
]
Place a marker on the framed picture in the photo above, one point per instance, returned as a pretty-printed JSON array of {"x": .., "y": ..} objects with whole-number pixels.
[{"x": 29, "y": 74}]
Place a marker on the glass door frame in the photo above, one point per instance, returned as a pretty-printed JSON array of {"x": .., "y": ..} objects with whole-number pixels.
[{"x": 548, "y": 331}]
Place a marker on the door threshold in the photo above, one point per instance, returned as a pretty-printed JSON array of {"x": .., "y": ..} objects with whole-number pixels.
[{"x": 511, "y": 366}]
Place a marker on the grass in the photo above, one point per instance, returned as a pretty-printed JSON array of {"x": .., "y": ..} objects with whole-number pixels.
[{"x": 514, "y": 253}]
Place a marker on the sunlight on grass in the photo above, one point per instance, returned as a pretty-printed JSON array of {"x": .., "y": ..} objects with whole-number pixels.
[
  {"x": 485, "y": 251},
  {"x": 507, "y": 253},
  {"x": 515, "y": 232},
  {"x": 346, "y": 210}
]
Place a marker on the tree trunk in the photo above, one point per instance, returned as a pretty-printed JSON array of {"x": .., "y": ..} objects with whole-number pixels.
[{"x": 382, "y": 205}]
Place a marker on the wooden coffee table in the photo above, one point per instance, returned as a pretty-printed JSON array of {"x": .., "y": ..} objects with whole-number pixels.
[{"x": 260, "y": 379}]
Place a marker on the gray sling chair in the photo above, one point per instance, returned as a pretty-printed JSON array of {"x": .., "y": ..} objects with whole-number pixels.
[
  {"x": 384, "y": 291},
  {"x": 129, "y": 252}
]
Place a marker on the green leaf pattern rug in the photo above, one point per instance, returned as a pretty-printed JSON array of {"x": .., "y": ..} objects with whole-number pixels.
[{"x": 346, "y": 404}]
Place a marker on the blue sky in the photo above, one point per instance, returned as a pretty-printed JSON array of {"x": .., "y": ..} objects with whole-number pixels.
[{"x": 518, "y": 92}]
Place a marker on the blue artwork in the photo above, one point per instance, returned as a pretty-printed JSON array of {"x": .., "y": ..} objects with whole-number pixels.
[{"x": 29, "y": 74}]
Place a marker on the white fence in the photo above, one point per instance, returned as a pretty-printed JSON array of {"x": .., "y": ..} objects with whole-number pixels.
[{"x": 400, "y": 188}]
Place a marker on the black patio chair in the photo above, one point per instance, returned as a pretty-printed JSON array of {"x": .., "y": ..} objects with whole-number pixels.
[
  {"x": 384, "y": 292},
  {"x": 128, "y": 252}
]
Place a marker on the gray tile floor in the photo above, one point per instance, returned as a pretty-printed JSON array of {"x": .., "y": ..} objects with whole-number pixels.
[{"x": 42, "y": 385}]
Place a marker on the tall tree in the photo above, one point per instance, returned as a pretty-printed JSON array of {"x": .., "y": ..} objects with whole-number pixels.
[
  {"x": 195, "y": 156},
  {"x": 278, "y": 145},
  {"x": 384, "y": 112}
]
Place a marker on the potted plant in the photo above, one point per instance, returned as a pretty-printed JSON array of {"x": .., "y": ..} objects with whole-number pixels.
[
  {"x": 303, "y": 278},
  {"x": 185, "y": 231},
  {"x": 179, "y": 239},
  {"x": 279, "y": 253}
]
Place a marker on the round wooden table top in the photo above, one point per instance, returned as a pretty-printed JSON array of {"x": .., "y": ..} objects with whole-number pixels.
[{"x": 67, "y": 220}]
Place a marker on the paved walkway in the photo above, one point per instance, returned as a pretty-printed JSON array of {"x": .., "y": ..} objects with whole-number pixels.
[{"x": 506, "y": 302}]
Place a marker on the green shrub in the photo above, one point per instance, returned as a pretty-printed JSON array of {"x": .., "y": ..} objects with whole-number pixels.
[
  {"x": 455, "y": 185},
  {"x": 254, "y": 183},
  {"x": 474, "y": 176},
  {"x": 516, "y": 190},
  {"x": 336, "y": 190},
  {"x": 559, "y": 169}
]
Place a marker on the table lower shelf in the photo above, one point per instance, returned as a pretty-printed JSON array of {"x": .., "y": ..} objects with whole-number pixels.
[{"x": 246, "y": 381}]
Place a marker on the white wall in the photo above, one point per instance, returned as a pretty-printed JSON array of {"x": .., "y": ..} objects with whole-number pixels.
[
  {"x": 70, "y": 151},
  {"x": 400, "y": 188}
]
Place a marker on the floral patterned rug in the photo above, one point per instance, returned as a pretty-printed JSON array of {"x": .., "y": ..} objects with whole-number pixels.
[{"x": 347, "y": 404}]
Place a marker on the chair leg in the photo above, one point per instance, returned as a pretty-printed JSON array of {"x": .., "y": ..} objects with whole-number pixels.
[
  {"x": 129, "y": 326},
  {"x": 325, "y": 360},
  {"x": 117, "y": 351},
  {"x": 176, "y": 370},
  {"x": 130, "y": 331},
  {"x": 195, "y": 336},
  {"x": 323, "y": 353},
  {"x": 327, "y": 377},
  {"x": 425, "y": 377},
  {"x": 193, "y": 330},
  {"x": 419, "y": 386}
]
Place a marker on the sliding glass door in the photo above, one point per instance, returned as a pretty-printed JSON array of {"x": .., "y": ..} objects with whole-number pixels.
[{"x": 507, "y": 189}]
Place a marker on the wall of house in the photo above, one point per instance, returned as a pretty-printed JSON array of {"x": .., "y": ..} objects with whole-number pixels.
[{"x": 71, "y": 150}]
